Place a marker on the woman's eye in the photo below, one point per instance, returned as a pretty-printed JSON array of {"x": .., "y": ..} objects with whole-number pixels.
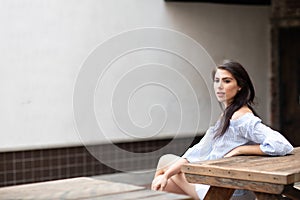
[
  {"x": 227, "y": 81},
  {"x": 216, "y": 80}
]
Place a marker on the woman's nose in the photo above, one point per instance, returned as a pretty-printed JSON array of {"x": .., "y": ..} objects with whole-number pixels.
[{"x": 220, "y": 85}]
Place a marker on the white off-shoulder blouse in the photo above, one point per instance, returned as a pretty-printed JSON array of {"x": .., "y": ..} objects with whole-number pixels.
[{"x": 248, "y": 129}]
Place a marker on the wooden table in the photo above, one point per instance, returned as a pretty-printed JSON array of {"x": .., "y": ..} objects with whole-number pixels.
[
  {"x": 83, "y": 188},
  {"x": 268, "y": 177}
]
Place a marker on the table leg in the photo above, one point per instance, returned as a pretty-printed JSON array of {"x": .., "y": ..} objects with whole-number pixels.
[
  {"x": 291, "y": 192},
  {"x": 265, "y": 196},
  {"x": 219, "y": 193}
]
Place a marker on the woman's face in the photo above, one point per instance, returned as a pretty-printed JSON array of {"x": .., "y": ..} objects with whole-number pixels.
[{"x": 225, "y": 86}]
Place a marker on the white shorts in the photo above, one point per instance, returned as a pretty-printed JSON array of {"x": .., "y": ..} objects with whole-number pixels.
[{"x": 201, "y": 190}]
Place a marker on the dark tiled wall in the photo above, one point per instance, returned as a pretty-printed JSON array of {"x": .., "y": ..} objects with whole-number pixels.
[
  {"x": 40, "y": 165},
  {"x": 49, "y": 164}
]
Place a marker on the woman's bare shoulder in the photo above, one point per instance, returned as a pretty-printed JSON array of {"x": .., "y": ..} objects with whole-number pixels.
[{"x": 239, "y": 113}]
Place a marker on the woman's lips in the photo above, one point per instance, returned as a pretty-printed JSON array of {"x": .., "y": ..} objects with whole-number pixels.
[{"x": 220, "y": 94}]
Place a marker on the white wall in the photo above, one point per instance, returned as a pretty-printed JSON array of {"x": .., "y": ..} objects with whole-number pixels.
[{"x": 44, "y": 44}]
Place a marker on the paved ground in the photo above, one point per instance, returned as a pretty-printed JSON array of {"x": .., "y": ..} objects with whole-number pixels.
[{"x": 141, "y": 178}]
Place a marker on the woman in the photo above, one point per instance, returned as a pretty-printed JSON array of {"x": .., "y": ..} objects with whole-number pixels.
[{"x": 238, "y": 131}]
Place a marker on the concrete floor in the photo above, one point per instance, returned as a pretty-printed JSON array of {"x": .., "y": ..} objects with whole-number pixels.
[{"x": 140, "y": 178}]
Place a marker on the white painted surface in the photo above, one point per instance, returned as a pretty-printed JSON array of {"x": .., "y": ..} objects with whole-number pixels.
[{"x": 44, "y": 43}]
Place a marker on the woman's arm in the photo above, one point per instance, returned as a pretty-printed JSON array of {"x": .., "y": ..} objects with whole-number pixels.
[
  {"x": 160, "y": 181},
  {"x": 175, "y": 168},
  {"x": 245, "y": 150},
  {"x": 271, "y": 142}
]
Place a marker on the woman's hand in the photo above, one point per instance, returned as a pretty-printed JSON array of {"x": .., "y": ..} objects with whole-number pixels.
[
  {"x": 159, "y": 183},
  {"x": 162, "y": 176}
]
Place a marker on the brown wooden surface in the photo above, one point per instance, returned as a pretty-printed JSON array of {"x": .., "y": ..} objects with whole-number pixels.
[
  {"x": 236, "y": 184},
  {"x": 144, "y": 194},
  {"x": 82, "y": 188},
  {"x": 278, "y": 170}
]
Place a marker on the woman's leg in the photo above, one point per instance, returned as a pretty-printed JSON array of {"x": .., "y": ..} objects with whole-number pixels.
[
  {"x": 177, "y": 183},
  {"x": 172, "y": 187}
]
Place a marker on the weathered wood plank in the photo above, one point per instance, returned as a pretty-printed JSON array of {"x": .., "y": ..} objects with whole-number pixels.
[
  {"x": 76, "y": 188},
  {"x": 167, "y": 196},
  {"x": 236, "y": 184},
  {"x": 278, "y": 170},
  {"x": 248, "y": 162},
  {"x": 137, "y": 194},
  {"x": 238, "y": 174},
  {"x": 84, "y": 188},
  {"x": 143, "y": 194},
  {"x": 219, "y": 193}
]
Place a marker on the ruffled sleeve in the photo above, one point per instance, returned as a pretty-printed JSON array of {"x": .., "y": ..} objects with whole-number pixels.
[
  {"x": 201, "y": 150},
  {"x": 271, "y": 142}
]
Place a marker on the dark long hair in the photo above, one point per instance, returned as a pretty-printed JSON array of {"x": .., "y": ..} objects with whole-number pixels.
[{"x": 244, "y": 97}]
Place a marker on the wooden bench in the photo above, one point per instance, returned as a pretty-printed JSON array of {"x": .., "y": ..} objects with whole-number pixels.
[
  {"x": 268, "y": 177},
  {"x": 83, "y": 188}
]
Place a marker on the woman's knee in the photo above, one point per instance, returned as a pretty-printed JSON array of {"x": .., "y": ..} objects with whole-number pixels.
[{"x": 167, "y": 160}]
